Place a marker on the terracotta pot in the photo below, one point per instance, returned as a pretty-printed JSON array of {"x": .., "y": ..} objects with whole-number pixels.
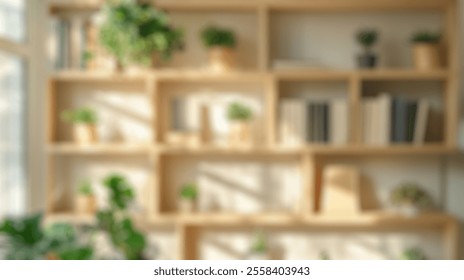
[
  {"x": 85, "y": 133},
  {"x": 240, "y": 133},
  {"x": 86, "y": 205},
  {"x": 187, "y": 206},
  {"x": 222, "y": 59},
  {"x": 426, "y": 56}
]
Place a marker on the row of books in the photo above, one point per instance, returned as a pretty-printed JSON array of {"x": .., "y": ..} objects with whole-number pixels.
[
  {"x": 310, "y": 121},
  {"x": 74, "y": 44},
  {"x": 388, "y": 119}
]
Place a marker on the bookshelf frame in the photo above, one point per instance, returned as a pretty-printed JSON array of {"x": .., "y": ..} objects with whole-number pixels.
[{"x": 188, "y": 228}]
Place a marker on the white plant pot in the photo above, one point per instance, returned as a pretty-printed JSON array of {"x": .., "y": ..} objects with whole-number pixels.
[
  {"x": 187, "y": 206},
  {"x": 408, "y": 210}
]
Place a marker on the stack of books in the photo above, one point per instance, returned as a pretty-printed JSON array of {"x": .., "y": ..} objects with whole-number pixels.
[
  {"x": 387, "y": 119},
  {"x": 74, "y": 44},
  {"x": 319, "y": 122}
]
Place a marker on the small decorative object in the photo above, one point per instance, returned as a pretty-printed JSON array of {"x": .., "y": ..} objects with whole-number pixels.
[
  {"x": 83, "y": 120},
  {"x": 87, "y": 56},
  {"x": 414, "y": 254},
  {"x": 367, "y": 39},
  {"x": 205, "y": 126},
  {"x": 188, "y": 197},
  {"x": 221, "y": 43},
  {"x": 409, "y": 199},
  {"x": 426, "y": 50},
  {"x": 340, "y": 189},
  {"x": 240, "y": 131},
  {"x": 324, "y": 255},
  {"x": 86, "y": 203},
  {"x": 259, "y": 249},
  {"x": 135, "y": 32}
]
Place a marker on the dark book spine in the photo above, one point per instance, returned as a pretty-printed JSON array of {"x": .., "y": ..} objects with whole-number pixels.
[
  {"x": 402, "y": 120},
  {"x": 394, "y": 121},
  {"x": 411, "y": 120}
]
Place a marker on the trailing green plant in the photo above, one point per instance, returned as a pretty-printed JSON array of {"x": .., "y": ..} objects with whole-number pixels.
[
  {"x": 239, "y": 112},
  {"x": 259, "y": 244},
  {"x": 27, "y": 240},
  {"x": 189, "y": 191},
  {"x": 133, "y": 32},
  {"x": 215, "y": 36},
  {"x": 412, "y": 194},
  {"x": 413, "y": 254},
  {"x": 367, "y": 38},
  {"x": 85, "y": 188},
  {"x": 426, "y": 37},
  {"x": 82, "y": 115},
  {"x": 116, "y": 220}
]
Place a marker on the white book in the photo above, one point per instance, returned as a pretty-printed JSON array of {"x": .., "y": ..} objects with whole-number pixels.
[
  {"x": 384, "y": 116},
  {"x": 300, "y": 122},
  {"x": 421, "y": 122},
  {"x": 366, "y": 121},
  {"x": 338, "y": 122}
]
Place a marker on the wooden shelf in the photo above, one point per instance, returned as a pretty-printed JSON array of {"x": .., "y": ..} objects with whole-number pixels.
[
  {"x": 99, "y": 149},
  {"x": 275, "y": 5},
  {"x": 374, "y": 220},
  {"x": 202, "y": 75},
  {"x": 403, "y": 74},
  {"x": 312, "y": 150},
  {"x": 311, "y": 158},
  {"x": 100, "y": 76}
]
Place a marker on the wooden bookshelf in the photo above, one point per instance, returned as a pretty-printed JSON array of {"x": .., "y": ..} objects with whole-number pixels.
[{"x": 187, "y": 228}]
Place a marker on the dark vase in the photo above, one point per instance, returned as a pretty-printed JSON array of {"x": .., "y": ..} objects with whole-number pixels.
[{"x": 367, "y": 61}]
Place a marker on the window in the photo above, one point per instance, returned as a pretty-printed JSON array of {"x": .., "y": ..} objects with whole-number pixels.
[{"x": 12, "y": 107}]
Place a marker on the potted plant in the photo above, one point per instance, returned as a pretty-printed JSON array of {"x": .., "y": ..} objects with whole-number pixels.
[
  {"x": 240, "y": 117},
  {"x": 136, "y": 32},
  {"x": 426, "y": 50},
  {"x": 221, "y": 43},
  {"x": 86, "y": 203},
  {"x": 26, "y": 239},
  {"x": 413, "y": 254},
  {"x": 367, "y": 39},
  {"x": 188, "y": 196},
  {"x": 259, "y": 248},
  {"x": 116, "y": 221},
  {"x": 409, "y": 199},
  {"x": 83, "y": 120}
]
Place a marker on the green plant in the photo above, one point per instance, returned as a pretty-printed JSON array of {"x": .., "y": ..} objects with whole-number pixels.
[
  {"x": 85, "y": 188},
  {"x": 414, "y": 254},
  {"x": 27, "y": 240},
  {"x": 133, "y": 32},
  {"x": 367, "y": 38},
  {"x": 189, "y": 191},
  {"x": 426, "y": 37},
  {"x": 259, "y": 244},
  {"x": 214, "y": 36},
  {"x": 410, "y": 193},
  {"x": 239, "y": 112},
  {"x": 116, "y": 221},
  {"x": 81, "y": 115},
  {"x": 87, "y": 56}
]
